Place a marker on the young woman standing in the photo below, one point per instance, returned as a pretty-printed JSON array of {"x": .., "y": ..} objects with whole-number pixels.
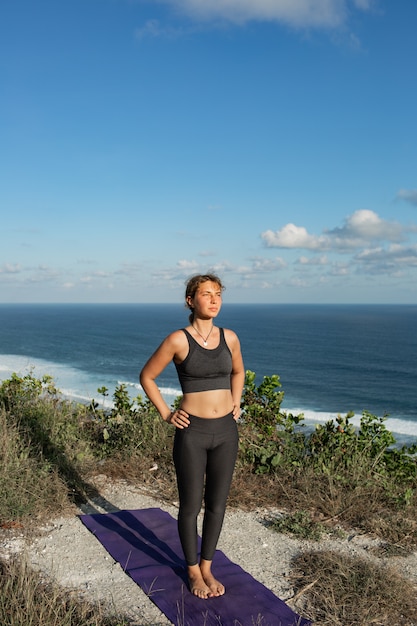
[{"x": 211, "y": 373}]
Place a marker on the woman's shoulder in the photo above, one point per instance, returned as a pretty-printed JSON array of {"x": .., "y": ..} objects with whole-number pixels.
[
  {"x": 229, "y": 332},
  {"x": 230, "y": 336},
  {"x": 176, "y": 338}
]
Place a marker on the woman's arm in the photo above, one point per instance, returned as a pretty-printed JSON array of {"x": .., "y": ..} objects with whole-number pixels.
[
  {"x": 237, "y": 379},
  {"x": 163, "y": 355}
]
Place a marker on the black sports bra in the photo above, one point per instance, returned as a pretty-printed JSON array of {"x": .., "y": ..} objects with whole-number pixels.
[{"x": 205, "y": 370}]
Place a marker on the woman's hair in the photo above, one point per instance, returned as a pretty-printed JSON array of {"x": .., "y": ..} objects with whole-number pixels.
[{"x": 193, "y": 284}]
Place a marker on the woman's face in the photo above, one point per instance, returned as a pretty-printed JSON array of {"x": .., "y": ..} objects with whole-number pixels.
[{"x": 207, "y": 300}]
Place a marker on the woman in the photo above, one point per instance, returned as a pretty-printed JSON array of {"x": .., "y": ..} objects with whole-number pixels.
[{"x": 211, "y": 373}]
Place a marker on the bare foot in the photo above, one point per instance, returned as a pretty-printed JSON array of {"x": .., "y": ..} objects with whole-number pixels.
[
  {"x": 215, "y": 586},
  {"x": 198, "y": 587}
]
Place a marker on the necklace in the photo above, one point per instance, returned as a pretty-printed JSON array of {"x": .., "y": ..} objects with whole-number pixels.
[{"x": 198, "y": 333}]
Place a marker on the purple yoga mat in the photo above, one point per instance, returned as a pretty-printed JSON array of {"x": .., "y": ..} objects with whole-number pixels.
[{"x": 146, "y": 545}]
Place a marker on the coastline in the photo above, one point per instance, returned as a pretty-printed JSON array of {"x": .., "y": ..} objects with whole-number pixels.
[
  {"x": 81, "y": 386},
  {"x": 72, "y": 384}
]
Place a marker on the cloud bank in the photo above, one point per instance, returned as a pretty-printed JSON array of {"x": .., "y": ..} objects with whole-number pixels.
[
  {"x": 296, "y": 13},
  {"x": 359, "y": 230}
]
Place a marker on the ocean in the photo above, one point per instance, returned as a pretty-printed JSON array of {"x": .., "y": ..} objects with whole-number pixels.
[{"x": 331, "y": 359}]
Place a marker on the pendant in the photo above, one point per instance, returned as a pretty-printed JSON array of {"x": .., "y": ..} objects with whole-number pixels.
[{"x": 205, "y": 343}]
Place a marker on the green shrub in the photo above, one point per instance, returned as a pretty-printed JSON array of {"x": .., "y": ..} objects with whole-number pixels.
[
  {"x": 268, "y": 436},
  {"x": 300, "y": 524},
  {"x": 356, "y": 457},
  {"x": 132, "y": 426}
]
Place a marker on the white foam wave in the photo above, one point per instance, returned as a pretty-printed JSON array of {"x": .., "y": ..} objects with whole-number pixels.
[
  {"x": 395, "y": 425},
  {"x": 166, "y": 391},
  {"x": 71, "y": 382}
]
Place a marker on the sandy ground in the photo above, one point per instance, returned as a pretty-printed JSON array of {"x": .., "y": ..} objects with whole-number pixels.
[{"x": 67, "y": 552}]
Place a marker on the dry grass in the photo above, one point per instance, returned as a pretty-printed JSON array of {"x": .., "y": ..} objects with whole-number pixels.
[
  {"x": 30, "y": 488},
  {"x": 338, "y": 590},
  {"x": 365, "y": 508},
  {"x": 27, "y": 600}
]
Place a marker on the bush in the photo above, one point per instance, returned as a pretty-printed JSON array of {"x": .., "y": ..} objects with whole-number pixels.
[
  {"x": 268, "y": 436},
  {"x": 131, "y": 427},
  {"x": 353, "y": 476}
]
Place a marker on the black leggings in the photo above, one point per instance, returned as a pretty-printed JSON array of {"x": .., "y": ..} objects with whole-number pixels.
[{"x": 207, "y": 447}]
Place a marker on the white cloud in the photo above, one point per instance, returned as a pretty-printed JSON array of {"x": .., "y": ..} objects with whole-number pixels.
[
  {"x": 268, "y": 265},
  {"x": 360, "y": 229},
  {"x": 9, "y": 268},
  {"x": 381, "y": 260},
  {"x": 299, "y": 283},
  {"x": 292, "y": 236},
  {"x": 183, "y": 264},
  {"x": 315, "y": 260},
  {"x": 409, "y": 195},
  {"x": 364, "y": 5},
  {"x": 129, "y": 269},
  {"x": 297, "y": 13},
  {"x": 340, "y": 269},
  {"x": 364, "y": 226},
  {"x": 153, "y": 28}
]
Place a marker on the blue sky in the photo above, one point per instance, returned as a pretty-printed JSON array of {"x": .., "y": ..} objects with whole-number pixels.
[{"x": 272, "y": 141}]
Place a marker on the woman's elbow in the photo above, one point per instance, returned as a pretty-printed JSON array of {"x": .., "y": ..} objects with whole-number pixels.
[
  {"x": 146, "y": 378},
  {"x": 143, "y": 377}
]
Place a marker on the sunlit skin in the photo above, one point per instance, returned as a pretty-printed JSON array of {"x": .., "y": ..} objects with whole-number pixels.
[{"x": 206, "y": 305}]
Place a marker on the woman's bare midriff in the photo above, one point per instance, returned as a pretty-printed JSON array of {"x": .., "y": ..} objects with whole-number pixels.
[{"x": 208, "y": 404}]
